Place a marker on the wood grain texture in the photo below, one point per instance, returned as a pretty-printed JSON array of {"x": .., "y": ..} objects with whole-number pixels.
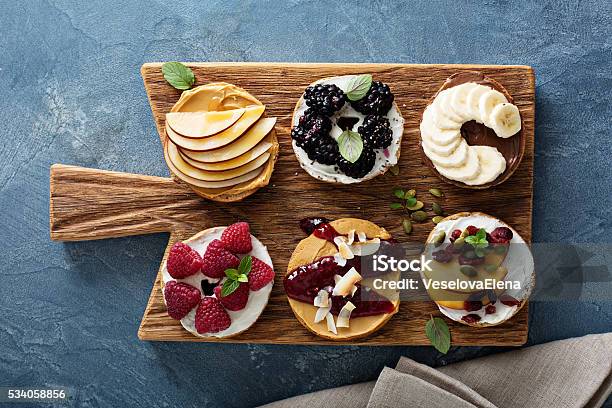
[{"x": 149, "y": 204}]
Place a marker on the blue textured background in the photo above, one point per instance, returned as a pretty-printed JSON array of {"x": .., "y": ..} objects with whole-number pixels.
[{"x": 71, "y": 93}]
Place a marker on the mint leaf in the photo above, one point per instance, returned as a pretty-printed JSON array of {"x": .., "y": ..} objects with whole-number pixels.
[
  {"x": 399, "y": 193},
  {"x": 243, "y": 278},
  {"x": 245, "y": 265},
  {"x": 358, "y": 87},
  {"x": 479, "y": 240},
  {"x": 396, "y": 206},
  {"x": 438, "y": 334},
  {"x": 481, "y": 234},
  {"x": 350, "y": 145},
  {"x": 178, "y": 75},
  {"x": 231, "y": 273},
  {"x": 229, "y": 286}
]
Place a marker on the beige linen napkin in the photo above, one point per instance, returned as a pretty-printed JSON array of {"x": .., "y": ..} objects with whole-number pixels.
[{"x": 566, "y": 373}]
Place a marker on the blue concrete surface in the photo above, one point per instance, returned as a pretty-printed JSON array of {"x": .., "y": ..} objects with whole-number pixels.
[{"x": 71, "y": 93}]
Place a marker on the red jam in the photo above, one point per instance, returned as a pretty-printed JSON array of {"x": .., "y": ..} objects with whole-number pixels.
[
  {"x": 471, "y": 318},
  {"x": 509, "y": 300},
  {"x": 325, "y": 231},
  {"x": 308, "y": 225}
]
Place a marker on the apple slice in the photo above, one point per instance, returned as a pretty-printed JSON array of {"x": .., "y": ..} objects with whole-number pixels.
[
  {"x": 210, "y": 184},
  {"x": 202, "y": 124},
  {"x": 241, "y": 160},
  {"x": 252, "y": 137},
  {"x": 205, "y": 175},
  {"x": 250, "y": 116}
]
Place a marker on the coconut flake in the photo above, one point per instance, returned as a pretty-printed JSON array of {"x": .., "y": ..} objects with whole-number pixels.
[
  {"x": 362, "y": 236},
  {"x": 343, "y": 249},
  {"x": 345, "y": 315},
  {"x": 322, "y": 299},
  {"x": 340, "y": 261},
  {"x": 365, "y": 248},
  {"x": 337, "y": 278},
  {"x": 351, "y": 237},
  {"x": 345, "y": 285},
  {"x": 322, "y": 312},
  {"x": 331, "y": 326}
]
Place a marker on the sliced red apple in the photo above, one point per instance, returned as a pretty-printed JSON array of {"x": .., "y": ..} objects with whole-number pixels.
[
  {"x": 205, "y": 175},
  {"x": 202, "y": 124},
  {"x": 252, "y": 137},
  {"x": 250, "y": 116},
  {"x": 211, "y": 184},
  {"x": 261, "y": 148}
]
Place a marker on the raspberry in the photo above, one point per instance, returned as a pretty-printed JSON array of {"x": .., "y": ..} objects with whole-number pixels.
[
  {"x": 509, "y": 300},
  {"x": 261, "y": 274},
  {"x": 442, "y": 256},
  {"x": 454, "y": 235},
  {"x": 217, "y": 259},
  {"x": 472, "y": 230},
  {"x": 471, "y": 318},
  {"x": 466, "y": 260},
  {"x": 211, "y": 317},
  {"x": 236, "y": 300},
  {"x": 501, "y": 235},
  {"x": 183, "y": 261},
  {"x": 490, "y": 309},
  {"x": 180, "y": 299},
  {"x": 237, "y": 238}
]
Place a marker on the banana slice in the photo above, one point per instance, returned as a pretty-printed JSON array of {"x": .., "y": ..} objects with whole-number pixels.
[
  {"x": 505, "y": 119},
  {"x": 444, "y": 100},
  {"x": 442, "y": 150},
  {"x": 456, "y": 159},
  {"x": 487, "y": 102},
  {"x": 202, "y": 124},
  {"x": 439, "y": 119},
  {"x": 458, "y": 100},
  {"x": 435, "y": 134},
  {"x": 473, "y": 99},
  {"x": 492, "y": 164},
  {"x": 469, "y": 171}
]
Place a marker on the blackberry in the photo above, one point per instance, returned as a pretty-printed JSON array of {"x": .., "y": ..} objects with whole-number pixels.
[
  {"x": 376, "y": 131},
  {"x": 312, "y": 128},
  {"x": 325, "y": 99},
  {"x": 361, "y": 167},
  {"x": 326, "y": 152},
  {"x": 377, "y": 101}
]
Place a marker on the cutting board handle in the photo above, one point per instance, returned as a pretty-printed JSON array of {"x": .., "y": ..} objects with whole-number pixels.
[{"x": 87, "y": 204}]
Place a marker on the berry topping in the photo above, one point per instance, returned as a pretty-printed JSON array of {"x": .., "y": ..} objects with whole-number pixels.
[
  {"x": 211, "y": 317},
  {"x": 312, "y": 129},
  {"x": 377, "y": 101},
  {"x": 509, "y": 300},
  {"x": 236, "y": 300},
  {"x": 467, "y": 259},
  {"x": 454, "y": 235},
  {"x": 490, "y": 309},
  {"x": 442, "y": 256},
  {"x": 326, "y": 99},
  {"x": 308, "y": 225},
  {"x": 472, "y": 230},
  {"x": 472, "y": 305},
  {"x": 180, "y": 299},
  {"x": 376, "y": 131},
  {"x": 501, "y": 235},
  {"x": 361, "y": 167},
  {"x": 471, "y": 318},
  {"x": 217, "y": 259},
  {"x": 261, "y": 274},
  {"x": 183, "y": 261},
  {"x": 237, "y": 238}
]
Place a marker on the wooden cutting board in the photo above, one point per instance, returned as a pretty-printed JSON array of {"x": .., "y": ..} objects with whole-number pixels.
[{"x": 94, "y": 204}]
